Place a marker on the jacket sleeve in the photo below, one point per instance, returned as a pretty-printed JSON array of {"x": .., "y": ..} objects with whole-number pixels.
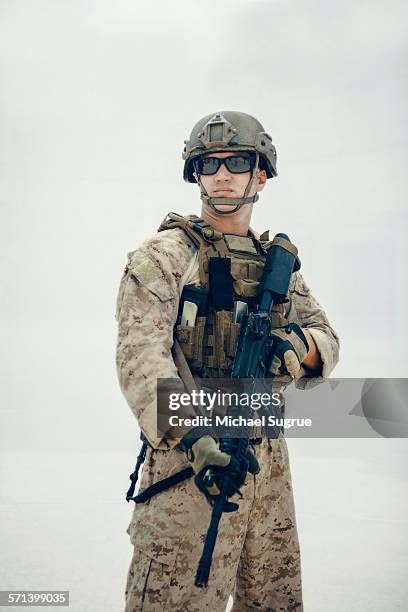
[
  {"x": 307, "y": 312},
  {"x": 147, "y": 307}
]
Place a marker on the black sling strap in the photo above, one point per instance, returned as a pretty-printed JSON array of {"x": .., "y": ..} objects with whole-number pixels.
[
  {"x": 162, "y": 485},
  {"x": 135, "y": 474},
  {"x": 157, "y": 487}
]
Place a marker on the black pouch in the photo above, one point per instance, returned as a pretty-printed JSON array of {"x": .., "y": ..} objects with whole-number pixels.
[{"x": 221, "y": 284}]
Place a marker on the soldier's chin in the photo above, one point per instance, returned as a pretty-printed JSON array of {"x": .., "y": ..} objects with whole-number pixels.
[{"x": 222, "y": 208}]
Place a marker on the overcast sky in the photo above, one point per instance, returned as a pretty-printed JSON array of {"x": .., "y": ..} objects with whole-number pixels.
[{"x": 97, "y": 99}]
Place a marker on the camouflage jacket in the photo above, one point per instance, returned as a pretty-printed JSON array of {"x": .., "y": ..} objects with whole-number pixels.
[{"x": 147, "y": 308}]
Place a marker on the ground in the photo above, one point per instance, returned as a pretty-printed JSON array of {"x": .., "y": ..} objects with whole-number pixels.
[{"x": 63, "y": 521}]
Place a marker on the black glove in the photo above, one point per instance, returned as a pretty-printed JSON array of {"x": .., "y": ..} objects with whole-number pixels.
[{"x": 211, "y": 465}]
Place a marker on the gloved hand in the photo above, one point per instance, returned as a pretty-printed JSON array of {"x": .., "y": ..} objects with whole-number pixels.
[
  {"x": 289, "y": 350},
  {"x": 206, "y": 457},
  {"x": 210, "y": 464}
]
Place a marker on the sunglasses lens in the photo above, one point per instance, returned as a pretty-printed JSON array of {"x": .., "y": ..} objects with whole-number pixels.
[
  {"x": 208, "y": 165},
  {"x": 238, "y": 164}
]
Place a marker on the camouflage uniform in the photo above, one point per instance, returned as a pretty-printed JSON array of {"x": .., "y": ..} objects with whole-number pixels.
[{"x": 256, "y": 557}]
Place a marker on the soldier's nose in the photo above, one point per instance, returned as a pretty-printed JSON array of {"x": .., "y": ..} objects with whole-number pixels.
[{"x": 222, "y": 174}]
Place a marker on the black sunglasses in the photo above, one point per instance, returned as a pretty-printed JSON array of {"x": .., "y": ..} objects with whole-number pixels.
[{"x": 237, "y": 164}]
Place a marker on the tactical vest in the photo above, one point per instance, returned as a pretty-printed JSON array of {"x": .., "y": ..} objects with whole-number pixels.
[{"x": 230, "y": 272}]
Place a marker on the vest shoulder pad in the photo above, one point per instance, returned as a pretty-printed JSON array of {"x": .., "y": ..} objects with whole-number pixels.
[{"x": 196, "y": 228}]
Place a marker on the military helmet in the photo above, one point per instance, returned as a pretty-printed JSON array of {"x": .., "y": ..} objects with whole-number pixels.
[{"x": 229, "y": 131}]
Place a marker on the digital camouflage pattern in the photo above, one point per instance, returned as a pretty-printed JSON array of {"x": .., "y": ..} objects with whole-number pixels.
[
  {"x": 256, "y": 557},
  {"x": 147, "y": 308},
  {"x": 257, "y": 551}
]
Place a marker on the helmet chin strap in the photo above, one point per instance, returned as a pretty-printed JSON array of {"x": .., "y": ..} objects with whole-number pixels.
[{"x": 237, "y": 203}]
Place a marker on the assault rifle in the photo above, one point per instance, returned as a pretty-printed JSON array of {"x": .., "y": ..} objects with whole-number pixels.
[{"x": 252, "y": 361}]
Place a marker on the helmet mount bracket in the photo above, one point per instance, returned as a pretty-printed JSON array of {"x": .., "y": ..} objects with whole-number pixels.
[{"x": 217, "y": 132}]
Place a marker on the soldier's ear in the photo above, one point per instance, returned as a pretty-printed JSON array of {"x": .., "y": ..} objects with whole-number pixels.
[{"x": 262, "y": 178}]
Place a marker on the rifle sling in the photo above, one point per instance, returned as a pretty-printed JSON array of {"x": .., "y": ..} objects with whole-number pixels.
[{"x": 162, "y": 485}]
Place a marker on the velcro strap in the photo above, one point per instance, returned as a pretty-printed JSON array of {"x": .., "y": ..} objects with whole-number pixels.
[
  {"x": 252, "y": 271},
  {"x": 285, "y": 244},
  {"x": 210, "y": 340}
]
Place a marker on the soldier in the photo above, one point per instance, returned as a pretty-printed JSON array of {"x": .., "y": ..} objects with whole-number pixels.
[{"x": 256, "y": 558}]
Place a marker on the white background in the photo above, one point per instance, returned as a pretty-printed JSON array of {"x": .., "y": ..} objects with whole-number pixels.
[{"x": 97, "y": 98}]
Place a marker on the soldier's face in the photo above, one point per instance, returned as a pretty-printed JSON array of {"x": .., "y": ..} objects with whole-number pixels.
[{"x": 225, "y": 184}]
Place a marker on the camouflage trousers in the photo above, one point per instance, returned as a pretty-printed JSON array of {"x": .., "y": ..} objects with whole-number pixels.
[{"x": 256, "y": 557}]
